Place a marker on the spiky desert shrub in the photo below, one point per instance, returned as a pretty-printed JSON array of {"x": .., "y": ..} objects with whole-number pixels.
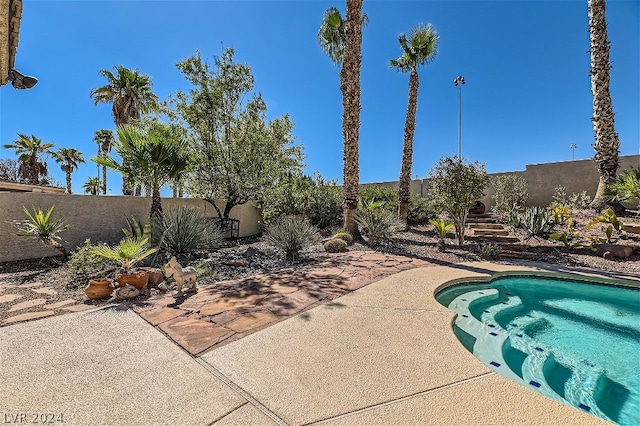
[
  {"x": 537, "y": 221},
  {"x": 377, "y": 223},
  {"x": 181, "y": 232},
  {"x": 335, "y": 245},
  {"x": 84, "y": 264},
  {"x": 489, "y": 251},
  {"x": 291, "y": 234}
]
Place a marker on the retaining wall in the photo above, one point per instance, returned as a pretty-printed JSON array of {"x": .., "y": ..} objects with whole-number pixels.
[{"x": 99, "y": 218}]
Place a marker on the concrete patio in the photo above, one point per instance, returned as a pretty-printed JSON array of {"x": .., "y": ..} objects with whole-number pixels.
[{"x": 383, "y": 354}]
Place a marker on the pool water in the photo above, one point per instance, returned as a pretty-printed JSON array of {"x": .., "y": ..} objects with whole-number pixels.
[{"x": 574, "y": 341}]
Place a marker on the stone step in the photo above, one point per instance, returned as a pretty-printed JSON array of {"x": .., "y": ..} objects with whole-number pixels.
[
  {"x": 490, "y": 232},
  {"x": 481, "y": 220},
  {"x": 514, "y": 246},
  {"x": 494, "y": 238},
  {"x": 512, "y": 254},
  {"x": 480, "y": 216},
  {"x": 486, "y": 226}
]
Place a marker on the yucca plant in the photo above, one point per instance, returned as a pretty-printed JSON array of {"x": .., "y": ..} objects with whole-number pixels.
[
  {"x": 292, "y": 234},
  {"x": 42, "y": 227},
  {"x": 127, "y": 252},
  {"x": 377, "y": 223},
  {"x": 441, "y": 226},
  {"x": 183, "y": 231}
]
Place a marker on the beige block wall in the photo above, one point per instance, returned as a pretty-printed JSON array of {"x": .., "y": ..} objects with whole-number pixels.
[{"x": 99, "y": 218}]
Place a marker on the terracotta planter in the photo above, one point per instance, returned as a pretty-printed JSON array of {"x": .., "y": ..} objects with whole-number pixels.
[
  {"x": 137, "y": 279},
  {"x": 98, "y": 289}
]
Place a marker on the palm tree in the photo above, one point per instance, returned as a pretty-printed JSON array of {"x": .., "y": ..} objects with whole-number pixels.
[
  {"x": 30, "y": 151},
  {"x": 69, "y": 158},
  {"x": 131, "y": 96},
  {"x": 104, "y": 139},
  {"x": 607, "y": 145},
  {"x": 152, "y": 153},
  {"x": 418, "y": 49},
  {"x": 92, "y": 186},
  {"x": 342, "y": 42}
]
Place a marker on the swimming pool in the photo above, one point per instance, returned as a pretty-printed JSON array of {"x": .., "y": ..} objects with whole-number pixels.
[{"x": 572, "y": 340}]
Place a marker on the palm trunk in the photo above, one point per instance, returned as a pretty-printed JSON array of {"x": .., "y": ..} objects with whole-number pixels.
[
  {"x": 126, "y": 184},
  {"x": 404, "y": 189},
  {"x": 104, "y": 180},
  {"x": 607, "y": 144},
  {"x": 147, "y": 190},
  {"x": 156, "y": 204},
  {"x": 350, "y": 87},
  {"x": 68, "y": 173}
]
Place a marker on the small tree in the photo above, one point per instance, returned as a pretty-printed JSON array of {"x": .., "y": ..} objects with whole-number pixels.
[
  {"x": 511, "y": 194},
  {"x": 455, "y": 186}
]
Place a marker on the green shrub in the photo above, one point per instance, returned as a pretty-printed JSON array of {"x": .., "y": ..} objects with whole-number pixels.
[
  {"x": 510, "y": 194},
  {"x": 335, "y": 245},
  {"x": 625, "y": 187},
  {"x": 205, "y": 271},
  {"x": 377, "y": 223},
  {"x": 489, "y": 251},
  {"x": 182, "y": 232},
  {"x": 292, "y": 234},
  {"x": 578, "y": 200},
  {"x": 609, "y": 218},
  {"x": 84, "y": 264},
  {"x": 560, "y": 213},
  {"x": 420, "y": 209},
  {"x": 345, "y": 236},
  {"x": 317, "y": 199}
]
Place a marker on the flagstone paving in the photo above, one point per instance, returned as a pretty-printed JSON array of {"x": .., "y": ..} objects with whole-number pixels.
[{"x": 223, "y": 312}]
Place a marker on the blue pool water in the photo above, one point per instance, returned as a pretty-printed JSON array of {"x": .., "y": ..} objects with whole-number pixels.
[{"x": 574, "y": 341}]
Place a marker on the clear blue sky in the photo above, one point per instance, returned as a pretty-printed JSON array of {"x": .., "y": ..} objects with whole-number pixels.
[{"x": 526, "y": 65}]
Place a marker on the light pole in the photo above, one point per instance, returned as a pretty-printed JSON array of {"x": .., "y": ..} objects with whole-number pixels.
[
  {"x": 459, "y": 82},
  {"x": 573, "y": 147}
]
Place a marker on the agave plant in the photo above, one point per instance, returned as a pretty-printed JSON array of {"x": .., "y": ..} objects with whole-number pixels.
[
  {"x": 42, "y": 227},
  {"x": 625, "y": 187},
  {"x": 128, "y": 252}
]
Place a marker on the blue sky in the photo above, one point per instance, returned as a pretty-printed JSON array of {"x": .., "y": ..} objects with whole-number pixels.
[{"x": 527, "y": 96}]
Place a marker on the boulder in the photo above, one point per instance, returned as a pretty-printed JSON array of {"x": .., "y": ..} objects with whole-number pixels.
[
  {"x": 236, "y": 263},
  {"x": 614, "y": 251},
  {"x": 127, "y": 292},
  {"x": 251, "y": 252},
  {"x": 163, "y": 286}
]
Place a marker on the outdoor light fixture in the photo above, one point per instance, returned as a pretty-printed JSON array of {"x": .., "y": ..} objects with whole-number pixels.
[
  {"x": 20, "y": 81},
  {"x": 459, "y": 82}
]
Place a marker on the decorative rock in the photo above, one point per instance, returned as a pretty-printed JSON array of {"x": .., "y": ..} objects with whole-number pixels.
[
  {"x": 610, "y": 251},
  {"x": 127, "y": 292},
  {"x": 163, "y": 286},
  {"x": 155, "y": 277},
  {"x": 251, "y": 252},
  {"x": 236, "y": 263},
  {"x": 145, "y": 291}
]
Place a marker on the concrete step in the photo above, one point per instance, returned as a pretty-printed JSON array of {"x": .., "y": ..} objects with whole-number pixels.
[
  {"x": 486, "y": 225},
  {"x": 490, "y": 232}
]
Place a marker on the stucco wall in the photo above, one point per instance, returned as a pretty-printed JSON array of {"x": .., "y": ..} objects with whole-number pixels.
[{"x": 100, "y": 218}]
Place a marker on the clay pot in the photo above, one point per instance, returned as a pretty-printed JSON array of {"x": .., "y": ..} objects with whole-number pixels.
[
  {"x": 155, "y": 277},
  {"x": 137, "y": 279},
  {"x": 98, "y": 289}
]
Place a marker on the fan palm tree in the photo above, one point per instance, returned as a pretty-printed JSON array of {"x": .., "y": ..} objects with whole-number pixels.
[
  {"x": 92, "y": 186},
  {"x": 607, "y": 144},
  {"x": 418, "y": 49},
  {"x": 342, "y": 42},
  {"x": 31, "y": 152},
  {"x": 131, "y": 96},
  {"x": 104, "y": 139},
  {"x": 69, "y": 158},
  {"x": 152, "y": 153}
]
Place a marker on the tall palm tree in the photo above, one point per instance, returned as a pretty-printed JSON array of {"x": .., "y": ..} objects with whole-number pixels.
[
  {"x": 69, "y": 158},
  {"x": 342, "y": 42},
  {"x": 607, "y": 145},
  {"x": 104, "y": 139},
  {"x": 92, "y": 186},
  {"x": 131, "y": 96},
  {"x": 151, "y": 152},
  {"x": 418, "y": 49},
  {"x": 31, "y": 152}
]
